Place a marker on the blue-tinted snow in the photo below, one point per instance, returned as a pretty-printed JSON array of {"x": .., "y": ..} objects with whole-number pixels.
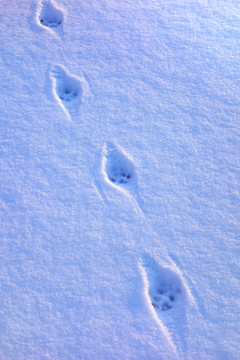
[{"x": 160, "y": 80}]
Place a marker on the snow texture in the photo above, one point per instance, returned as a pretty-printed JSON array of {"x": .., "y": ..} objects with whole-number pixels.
[{"x": 120, "y": 143}]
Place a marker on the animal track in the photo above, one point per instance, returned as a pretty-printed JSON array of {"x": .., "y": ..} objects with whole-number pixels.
[
  {"x": 170, "y": 299},
  {"x": 68, "y": 93},
  {"x": 164, "y": 285},
  {"x": 164, "y": 298},
  {"x": 118, "y": 167},
  {"x": 67, "y": 88},
  {"x": 50, "y": 16}
]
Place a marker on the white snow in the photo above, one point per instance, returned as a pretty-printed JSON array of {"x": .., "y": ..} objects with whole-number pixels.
[{"x": 120, "y": 179}]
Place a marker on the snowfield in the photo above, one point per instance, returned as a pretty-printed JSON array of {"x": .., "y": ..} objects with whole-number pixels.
[{"x": 120, "y": 197}]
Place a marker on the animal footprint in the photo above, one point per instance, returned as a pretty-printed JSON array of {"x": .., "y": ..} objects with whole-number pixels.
[
  {"x": 118, "y": 167},
  {"x": 67, "y": 89},
  {"x": 50, "y": 16},
  {"x": 165, "y": 288},
  {"x": 170, "y": 300},
  {"x": 164, "y": 297}
]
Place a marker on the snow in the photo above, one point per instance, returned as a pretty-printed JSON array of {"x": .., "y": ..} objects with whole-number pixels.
[{"x": 93, "y": 92}]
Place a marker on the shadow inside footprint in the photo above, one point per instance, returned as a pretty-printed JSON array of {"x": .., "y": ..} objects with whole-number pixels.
[
  {"x": 50, "y": 16},
  {"x": 67, "y": 94},
  {"x": 164, "y": 286}
]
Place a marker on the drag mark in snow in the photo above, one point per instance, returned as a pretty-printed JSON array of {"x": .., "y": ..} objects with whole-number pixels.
[
  {"x": 67, "y": 89},
  {"x": 49, "y": 15}
]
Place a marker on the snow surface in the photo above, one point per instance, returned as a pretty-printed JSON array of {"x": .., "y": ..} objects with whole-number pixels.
[{"x": 139, "y": 267}]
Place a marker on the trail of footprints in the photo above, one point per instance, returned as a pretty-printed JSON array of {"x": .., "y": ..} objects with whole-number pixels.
[
  {"x": 67, "y": 88},
  {"x": 165, "y": 289}
]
